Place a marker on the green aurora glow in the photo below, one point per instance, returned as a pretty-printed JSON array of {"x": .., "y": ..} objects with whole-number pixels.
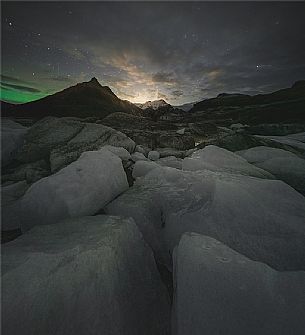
[{"x": 19, "y": 96}]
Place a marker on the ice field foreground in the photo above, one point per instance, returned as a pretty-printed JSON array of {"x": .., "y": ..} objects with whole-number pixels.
[{"x": 122, "y": 239}]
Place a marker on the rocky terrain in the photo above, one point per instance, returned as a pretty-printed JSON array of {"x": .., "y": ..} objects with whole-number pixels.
[{"x": 126, "y": 221}]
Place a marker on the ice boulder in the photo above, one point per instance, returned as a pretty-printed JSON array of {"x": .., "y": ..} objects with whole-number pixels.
[
  {"x": 218, "y": 159},
  {"x": 170, "y": 161},
  {"x": 81, "y": 188},
  {"x": 45, "y": 135},
  {"x": 138, "y": 156},
  {"x": 153, "y": 155},
  {"x": 91, "y": 137},
  {"x": 261, "y": 154},
  {"x": 63, "y": 140},
  {"x": 10, "y": 205},
  {"x": 118, "y": 151},
  {"x": 293, "y": 142},
  {"x": 12, "y": 138},
  {"x": 90, "y": 275},
  {"x": 141, "y": 168},
  {"x": 260, "y": 218},
  {"x": 282, "y": 164},
  {"x": 166, "y": 152},
  {"x": 219, "y": 291},
  {"x": 31, "y": 172},
  {"x": 142, "y": 149}
]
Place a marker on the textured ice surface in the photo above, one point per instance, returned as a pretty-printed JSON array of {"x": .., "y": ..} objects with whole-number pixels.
[
  {"x": 261, "y": 218},
  {"x": 170, "y": 161},
  {"x": 296, "y": 141},
  {"x": 219, "y": 291},
  {"x": 90, "y": 275},
  {"x": 282, "y": 164},
  {"x": 10, "y": 204},
  {"x": 261, "y": 154},
  {"x": 153, "y": 155},
  {"x": 142, "y": 149},
  {"x": 141, "y": 168},
  {"x": 12, "y": 137},
  {"x": 218, "y": 159},
  {"x": 90, "y": 137},
  {"x": 81, "y": 188},
  {"x": 118, "y": 151},
  {"x": 166, "y": 152},
  {"x": 138, "y": 156}
]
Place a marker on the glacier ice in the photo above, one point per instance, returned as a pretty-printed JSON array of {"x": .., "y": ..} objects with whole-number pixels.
[
  {"x": 261, "y": 218},
  {"x": 10, "y": 204},
  {"x": 141, "y": 168},
  {"x": 118, "y": 151},
  {"x": 12, "y": 138},
  {"x": 219, "y": 291},
  {"x": 170, "y": 161},
  {"x": 89, "y": 275},
  {"x": 81, "y": 188},
  {"x": 295, "y": 142},
  {"x": 138, "y": 156},
  {"x": 218, "y": 159},
  {"x": 153, "y": 155},
  {"x": 282, "y": 164}
]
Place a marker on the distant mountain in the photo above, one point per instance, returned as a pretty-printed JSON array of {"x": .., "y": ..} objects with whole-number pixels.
[
  {"x": 186, "y": 107},
  {"x": 156, "y": 104},
  {"x": 155, "y": 109},
  {"x": 280, "y": 106},
  {"x": 82, "y": 100},
  {"x": 297, "y": 91}
]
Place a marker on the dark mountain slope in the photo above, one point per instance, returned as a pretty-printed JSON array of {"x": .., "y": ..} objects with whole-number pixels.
[
  {"x": 285, "y": 105},
  {"x": 82, "y": 100}
]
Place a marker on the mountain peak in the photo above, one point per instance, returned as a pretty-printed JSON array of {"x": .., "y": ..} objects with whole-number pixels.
[
  {"x": 155, "y": 104},
  {"x": 94, "y": 81}
]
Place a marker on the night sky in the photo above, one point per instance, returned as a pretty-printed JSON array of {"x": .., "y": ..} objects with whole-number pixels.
[{"x": 181, "y": 52}]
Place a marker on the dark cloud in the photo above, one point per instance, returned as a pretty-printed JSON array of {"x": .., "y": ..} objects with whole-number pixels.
[
  {"x": 12, "y": 80},
  {"x": 139, "y": 49}
]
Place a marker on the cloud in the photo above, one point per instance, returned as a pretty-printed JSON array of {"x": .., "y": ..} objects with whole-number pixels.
[
  {"x": 162, "y": 96},
  {"x": 12, "y": 80},
  {"x": 59, "y": 78},
  {"x": 21, "y": 88},
  {"x": 177, "y": 93},
  {"x": 163, "y": 77},
  {"x": 139, "y": 49}
]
